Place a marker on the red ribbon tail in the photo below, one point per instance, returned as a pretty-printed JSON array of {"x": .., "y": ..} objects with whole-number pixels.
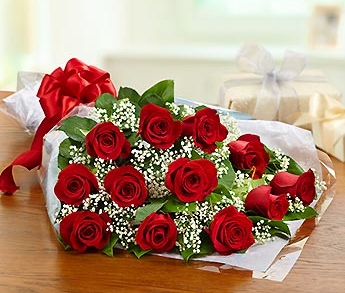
[
  {"x": 29, "y": 159},
  {"x": 7, "y": 184}
]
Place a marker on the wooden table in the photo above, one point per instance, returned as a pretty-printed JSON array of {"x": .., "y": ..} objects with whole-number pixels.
[{"x": 32, "y": 260}]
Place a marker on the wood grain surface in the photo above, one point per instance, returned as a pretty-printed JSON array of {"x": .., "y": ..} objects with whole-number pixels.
[{"x": 32, "y": 260}]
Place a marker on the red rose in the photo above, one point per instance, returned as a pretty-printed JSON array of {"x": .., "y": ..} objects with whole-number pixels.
[
  {"x": 84, "y": 229},
  {"x": 158, "y": 127},
  {"x": 75, "y": 183},
  {"x": 248, "y": 152},
  {"x": 126, "y": 186},
  {"x": 230, "y": 231},
  {"x": 301, "y": 186},
  {"x": 205, "y": 128},
  {"x": 157, "y": 232},
  {"x": 62, "y": 90},
  {"x": 261, "y": 201},
  {"x": 107, "y": 142},
  {"x": 191, "y": 180}
]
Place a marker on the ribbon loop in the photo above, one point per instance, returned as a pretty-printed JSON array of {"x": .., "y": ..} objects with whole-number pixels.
[
  {"x": 292, "y": 66},
  {"x": 323, "y": 108},
  {"x": 256, "y": 59}
]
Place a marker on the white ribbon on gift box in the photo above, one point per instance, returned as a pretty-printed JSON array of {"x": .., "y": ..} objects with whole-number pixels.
[{"x": 257, "y": 60}]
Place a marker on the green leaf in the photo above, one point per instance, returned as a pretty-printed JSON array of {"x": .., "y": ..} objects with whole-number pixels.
[
  {"x": 151, "y": 98},
  {"x": 64, "y": 148},
  {"x": 294, "y": 168},
  {"x": 64, "y": 245},
  {"x": 187, "y": 253},
  {"x": 76, "y": 127},
  {"x": 199, "y": 108},
  {"x": 227, "y": 179},
  {"x": 206, "y": 248},
  {"x": 106, "y": 101},
  {"x": 63, "y": 162},
  {"x": 128, "y": 93},
  {"x": 257, "y": 182},
  {"x": 173, "y": 205},
  {"x": 277, "y": 227},
  {"x": 132, "y": 137},
  {"x": 214, "y": 198},
  {"x": 144, "y": 211},
  {"x": 281, "y": 226},
  {"x": 164, "y": 89},
  {"x": 279, "y": 233},
  {"x": 308, "y": 213},
  {"x": 195, "y": 155},
  {"x": 221, "y": 189},
  {"x": 109, "y": 248},
  {"x": 138, "y": 252}
]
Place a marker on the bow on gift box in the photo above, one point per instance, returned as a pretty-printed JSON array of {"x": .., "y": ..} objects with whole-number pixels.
[
  {"x": 257, "y": 60},
  {"x": 59, "y": 93},
  {"x": 323, "y": 108}
]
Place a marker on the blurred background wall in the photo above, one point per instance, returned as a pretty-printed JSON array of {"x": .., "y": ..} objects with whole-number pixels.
[{"x": 194, "y": 42}]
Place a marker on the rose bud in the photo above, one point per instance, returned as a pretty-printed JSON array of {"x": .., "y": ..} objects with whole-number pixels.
[
  {"x": 262, "y": 202},
  {"x": 301, "y": 186},
  {"x": 248, "y": 153}
]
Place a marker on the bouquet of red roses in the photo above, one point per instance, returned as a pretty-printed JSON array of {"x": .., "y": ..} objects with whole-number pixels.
[{"x": 141, "y": 172}]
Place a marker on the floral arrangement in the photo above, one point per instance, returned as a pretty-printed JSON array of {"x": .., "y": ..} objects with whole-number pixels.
[{"x": 145, "y": 174}]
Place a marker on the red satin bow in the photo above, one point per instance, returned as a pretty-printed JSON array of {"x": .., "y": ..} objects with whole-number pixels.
[{"x": 59, "y": 93}]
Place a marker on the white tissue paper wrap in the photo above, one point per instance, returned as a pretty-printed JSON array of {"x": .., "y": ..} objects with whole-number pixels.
[{"x": 24, "y": 105}]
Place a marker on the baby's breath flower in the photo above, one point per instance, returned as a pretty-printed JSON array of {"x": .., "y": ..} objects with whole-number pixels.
[
  {"x": 232, "y": 125},
  {"x": 78, "y": 155},
  {"x": 64, "y": 212},
  {"x": 261, "y": 232},
  {"x": 103, "y": 167},
  {"x": 296, "y": 205},
  {"x": 122, "y": 223},
  {"x": 180, "y": 111},
  {"x": 124, "y": 115},
  {"x": 240, "y": 178},
  {"x": 190, "y": 225},
  {"x": 320, "y": 185},
  {"x": 282, "y": 159}
]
